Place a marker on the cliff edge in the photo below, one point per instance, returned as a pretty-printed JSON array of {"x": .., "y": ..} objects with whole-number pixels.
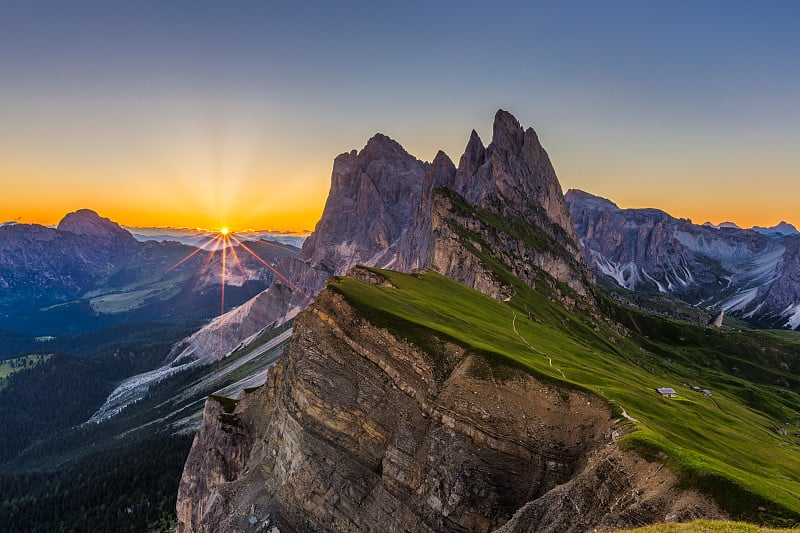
[{"x": 360, "y": 429}]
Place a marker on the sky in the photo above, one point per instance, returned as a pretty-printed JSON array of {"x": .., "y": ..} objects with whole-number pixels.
[{"x": 207, "y": 114}]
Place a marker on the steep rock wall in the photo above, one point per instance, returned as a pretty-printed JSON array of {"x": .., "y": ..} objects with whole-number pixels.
[{"x": 360, "y": 430}]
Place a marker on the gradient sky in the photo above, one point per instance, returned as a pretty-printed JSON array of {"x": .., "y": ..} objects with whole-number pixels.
[{"x": 202, "y": 114}]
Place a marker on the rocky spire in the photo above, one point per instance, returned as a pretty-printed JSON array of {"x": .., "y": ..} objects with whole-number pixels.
[
  {"x": 413, "y": 250},
  {"x": 507, "y": 134},
  {"x": 474, "y": 156},
  {"x": 439, "y": 174},
  {"x": 372, "y": 200}
]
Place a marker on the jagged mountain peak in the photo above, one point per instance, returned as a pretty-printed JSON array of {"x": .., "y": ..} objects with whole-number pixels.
[
  {"x": 507, "y": 132},
  {"x": 384, "y": 209},
  {"x": 442, "y": 161},
  {"x": 382, "y": 146},
  {"x": 88, "y": 223},
  {"x": 474, "y": 155},
  {"x": 372, "y": 199}
]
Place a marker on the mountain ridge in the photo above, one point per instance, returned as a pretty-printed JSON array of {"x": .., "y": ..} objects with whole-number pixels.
[
  {"x": 512, "y": 177},
  {"x": 306, "y": 452},
  {"x": 91, "y": 268},
  {"x": 745, "y": 273}
]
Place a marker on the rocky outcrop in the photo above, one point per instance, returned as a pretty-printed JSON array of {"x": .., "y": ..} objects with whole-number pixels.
[
  {"x": 387, "y": 209},
  {"x": 615, "y": 490},
  {"x": 503, "y": 202},
  {"x": 372, "y": 201},
  {"x": 744, "y": 273},
  {"x": 359, "y": 430}
]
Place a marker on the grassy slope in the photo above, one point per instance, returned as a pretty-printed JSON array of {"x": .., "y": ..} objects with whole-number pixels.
[
  {"x": 708, "y": 526},
  {"x": 725, "y": 445},
  {"x": 11, "y": 366}
]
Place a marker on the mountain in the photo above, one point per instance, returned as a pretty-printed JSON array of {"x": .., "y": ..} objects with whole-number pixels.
[
  {"x": 90, "y": 225},
  {"x": 495, "y": 219},
  {"x": 387, "y": 209},
  {"x": 37, "y": 261},
  {"x": 361, "y": 428},
  {"x": 493, "y": 386},
  {"x": 745, "y": 273},
  {"x": 779, "y": 230},
  {"x": 89, "y": 273}
]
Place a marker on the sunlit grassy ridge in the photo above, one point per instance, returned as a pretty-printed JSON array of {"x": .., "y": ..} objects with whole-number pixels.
[{"x": 725, "y": 445}]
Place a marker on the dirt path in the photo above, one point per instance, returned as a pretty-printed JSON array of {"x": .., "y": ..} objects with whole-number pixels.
[{"x": 530, "y": 346}]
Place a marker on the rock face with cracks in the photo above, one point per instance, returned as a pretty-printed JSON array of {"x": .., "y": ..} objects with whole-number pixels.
[{"x": 360, "y": 430}]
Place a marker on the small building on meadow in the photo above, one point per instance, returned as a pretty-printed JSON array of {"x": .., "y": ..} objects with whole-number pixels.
[{"x": 667, "y": 392}]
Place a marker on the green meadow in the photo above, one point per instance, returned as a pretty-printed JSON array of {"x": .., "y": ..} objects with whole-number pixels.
[{"x": 730, "y": 445}]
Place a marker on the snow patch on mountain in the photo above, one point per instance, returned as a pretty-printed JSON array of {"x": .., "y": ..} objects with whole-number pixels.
[
  {"x": 660, "y": 286},
  {"x": 626, "y": 275},
  {"x": 740, "y": 300}
]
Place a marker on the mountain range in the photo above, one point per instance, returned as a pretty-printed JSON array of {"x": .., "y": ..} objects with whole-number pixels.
[
  {"x": 88, "y": 273},
  {"x": 751, "y": 274},
  {"x": 451, "y": 398},
  {"x": 454, "y": 348}
]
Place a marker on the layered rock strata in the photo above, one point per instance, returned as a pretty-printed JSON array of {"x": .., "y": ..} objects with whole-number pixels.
[{"x": 359, "y": 430}]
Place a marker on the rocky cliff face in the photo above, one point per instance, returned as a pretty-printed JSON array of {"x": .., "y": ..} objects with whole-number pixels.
[
  {"x": 372, "y": 201},
  {"x": 744, "y": 273},
  {"x": 359, "y": 430},
  {"x": 387, "y": 209},
  {"x": 504, "y": 202}
]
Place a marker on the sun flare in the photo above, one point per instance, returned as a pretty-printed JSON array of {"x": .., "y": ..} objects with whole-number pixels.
[{"x": 224, "y": 231}]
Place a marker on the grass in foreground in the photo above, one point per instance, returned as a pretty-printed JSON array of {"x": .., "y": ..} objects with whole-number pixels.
[
  {"x": 725, "y": 445},
  {"x": 708, "y": 526}
]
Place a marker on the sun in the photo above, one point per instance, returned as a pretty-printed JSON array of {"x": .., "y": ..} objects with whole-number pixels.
[{"x": 224, "y": 231}]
